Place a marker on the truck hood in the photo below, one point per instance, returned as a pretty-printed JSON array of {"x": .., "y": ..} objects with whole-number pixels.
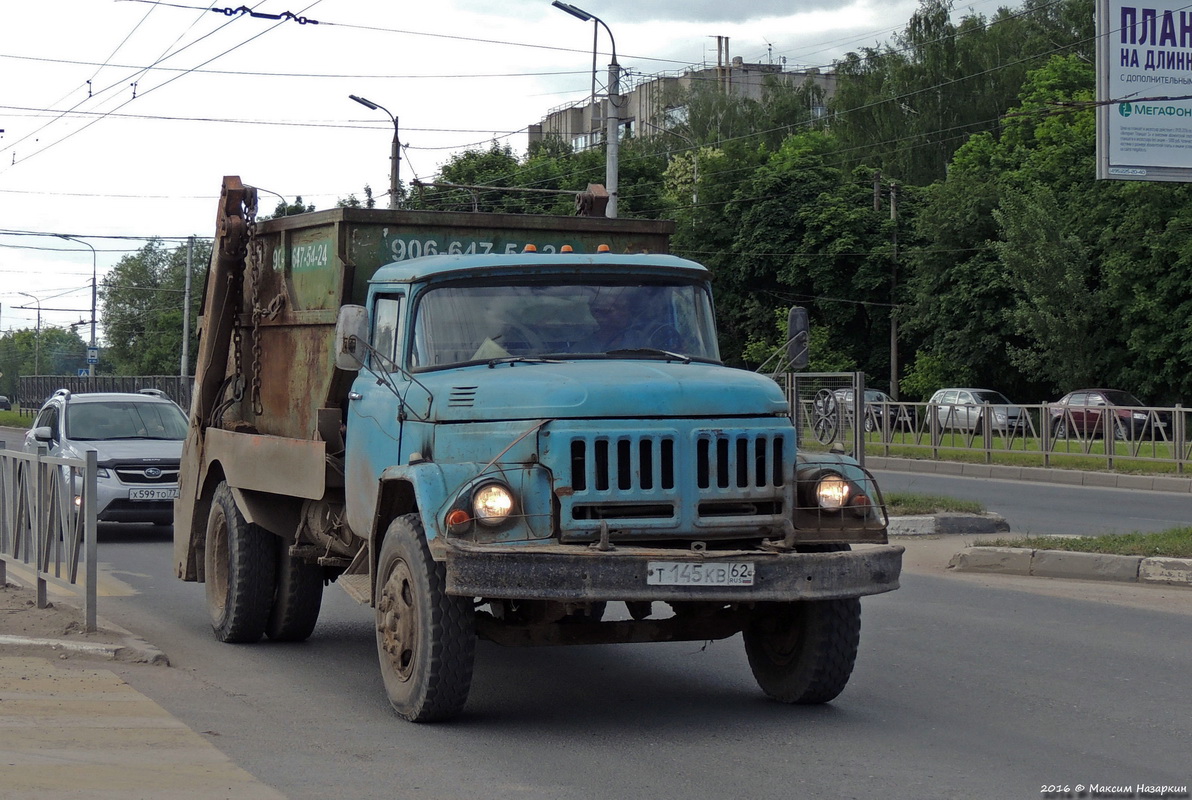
[{"x": 597, "y": 389}]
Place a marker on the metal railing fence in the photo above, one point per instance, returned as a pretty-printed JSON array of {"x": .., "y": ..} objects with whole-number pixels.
[
  {"x": 1051, "y": 434},
  {"x": 48, "y": 523}
]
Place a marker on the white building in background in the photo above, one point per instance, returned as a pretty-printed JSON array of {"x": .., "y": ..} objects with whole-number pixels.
[{"x": 648, "y": 105}]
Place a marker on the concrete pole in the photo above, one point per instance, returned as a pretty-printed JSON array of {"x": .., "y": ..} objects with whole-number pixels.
[
  {"x": 190, "y": 254},
  {"x": 394, "y": 167},
  {"x": 612, "y": 134}
]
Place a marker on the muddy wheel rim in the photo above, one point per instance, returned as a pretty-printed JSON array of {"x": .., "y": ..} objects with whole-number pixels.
[
  {"x": 217, "y": 582},
  {"x": 397, "y": 628}
]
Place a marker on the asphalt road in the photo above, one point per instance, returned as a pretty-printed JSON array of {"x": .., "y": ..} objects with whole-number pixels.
[
  {"x": 1054, "y": 508},
  {"x": 966, "y": 686},
  {"x": 963, "y": 688}
]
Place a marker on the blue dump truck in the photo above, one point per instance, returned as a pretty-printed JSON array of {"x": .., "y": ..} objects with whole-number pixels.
[{"x": 511, "y": 427}]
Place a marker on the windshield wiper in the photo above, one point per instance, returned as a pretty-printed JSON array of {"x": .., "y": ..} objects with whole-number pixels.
[
  {"x": 649, "y": 351},
  {"x": 492, "y": 362}
]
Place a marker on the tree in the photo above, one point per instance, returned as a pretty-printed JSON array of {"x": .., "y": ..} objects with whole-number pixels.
[
  {"x": 52, "y": 351},
  {"x": 142, "y": 309},
  {"x": 351, "y": 201}
]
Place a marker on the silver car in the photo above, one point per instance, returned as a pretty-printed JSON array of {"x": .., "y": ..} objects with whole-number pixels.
[
  {"x": 963, "y": 409},
  {"x": 138, "y": 443}
]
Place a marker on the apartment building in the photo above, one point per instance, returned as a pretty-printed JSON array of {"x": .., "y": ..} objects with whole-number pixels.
[{"x": 653, "y": 103}]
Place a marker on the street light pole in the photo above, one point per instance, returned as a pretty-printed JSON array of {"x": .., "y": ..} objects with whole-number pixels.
[
  {"x": 37, "y": 340},
  {"x": 612, "y": 122},
  {"x": 394, "y": 150},
  {"x": 94, "y": 274}
]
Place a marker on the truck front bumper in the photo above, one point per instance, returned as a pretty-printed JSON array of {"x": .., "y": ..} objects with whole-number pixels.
[{"x": 584, "y": 573}]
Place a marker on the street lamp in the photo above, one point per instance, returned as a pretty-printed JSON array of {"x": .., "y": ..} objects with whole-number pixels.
[
  {"x": 613, "y": 117},
  {"x": 94, "y": 271},
  {"x": 36, "y": 341},
  {"x": 395, "y": 150}
]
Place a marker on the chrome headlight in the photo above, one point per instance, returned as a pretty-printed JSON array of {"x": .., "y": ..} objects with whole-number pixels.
[
  {"x": 492, "y": 504},
  {"x": 1139, "y": 415},
  {"x": 832, "y": 492}
]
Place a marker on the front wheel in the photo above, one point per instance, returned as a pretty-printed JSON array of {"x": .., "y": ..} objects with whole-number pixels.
[
  {"x": 239, "y": 563},
  {"x": 426, "y": 639},
  {"x": 803, "y": 652}
]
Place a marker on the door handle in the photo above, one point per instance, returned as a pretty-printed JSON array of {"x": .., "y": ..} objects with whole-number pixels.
[{"x": 355, "y": 396}]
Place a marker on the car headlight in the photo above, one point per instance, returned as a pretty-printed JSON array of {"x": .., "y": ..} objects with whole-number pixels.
[
  {"x": 1139, "y": 415},
  {"x": 1000, "y": 417},
  {"x": 832, "y": 492},
  {"x": 492, "y": 504},
  {"x": 102, "y": 472}
]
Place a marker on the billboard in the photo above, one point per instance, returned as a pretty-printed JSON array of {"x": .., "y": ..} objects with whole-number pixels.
[{"x": 1144, "y": 90}]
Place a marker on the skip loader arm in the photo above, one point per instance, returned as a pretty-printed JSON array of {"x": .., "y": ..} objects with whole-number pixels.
[{"x": 220, "y": 306}]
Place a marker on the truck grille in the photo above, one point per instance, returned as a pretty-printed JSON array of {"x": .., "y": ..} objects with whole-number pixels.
[{"x": 646, "y": 482}]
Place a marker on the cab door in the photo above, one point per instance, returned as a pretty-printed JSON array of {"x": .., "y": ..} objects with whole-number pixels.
[{"x": 373, "y": 434}]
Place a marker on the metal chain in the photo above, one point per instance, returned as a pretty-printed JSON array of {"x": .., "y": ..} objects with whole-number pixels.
[{"x": 255, "y": 248}]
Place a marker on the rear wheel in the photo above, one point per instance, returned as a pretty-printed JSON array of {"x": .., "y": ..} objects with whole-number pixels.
[
  {"x": 426, "y": 639},
  {"x": 298, "y": 600},
  {"x": 239, "y": 561}
]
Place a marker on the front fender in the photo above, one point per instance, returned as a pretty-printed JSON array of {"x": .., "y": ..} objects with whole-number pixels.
[{"x": 433, "y": 489}]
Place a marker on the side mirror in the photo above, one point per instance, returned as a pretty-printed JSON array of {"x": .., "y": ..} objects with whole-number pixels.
[
  {"x": 351, "y": 333},
  {"x": 798, "y": 343},
  {"x": 44, "y": 433}
]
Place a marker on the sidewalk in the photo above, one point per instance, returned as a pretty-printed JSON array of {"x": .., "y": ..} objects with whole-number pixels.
[{"x": 71, "y": 728}]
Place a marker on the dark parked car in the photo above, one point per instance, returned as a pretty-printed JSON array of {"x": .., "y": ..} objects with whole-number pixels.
[
  {"x": 1094, "y": 412},
  {"x": 877, "y": 405},
  {"x": 5, "y": 403}
]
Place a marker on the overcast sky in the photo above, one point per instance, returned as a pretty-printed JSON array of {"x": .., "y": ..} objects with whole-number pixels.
[{"x": 96, "y": 143}]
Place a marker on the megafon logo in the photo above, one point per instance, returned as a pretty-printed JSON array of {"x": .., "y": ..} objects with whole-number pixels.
[{"x": 1125, "y": 109}]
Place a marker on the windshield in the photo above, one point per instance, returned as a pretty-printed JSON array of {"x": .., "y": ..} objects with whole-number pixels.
[
  {"x": 460, "y": 324},
  {"x": 991, "y": 397},
  {"x": 124, "y": 419},
  {"x": 1119, "y": 398}
]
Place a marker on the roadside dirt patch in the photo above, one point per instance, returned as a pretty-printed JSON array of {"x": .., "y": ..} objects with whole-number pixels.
[{"x": 59, "y": 621}]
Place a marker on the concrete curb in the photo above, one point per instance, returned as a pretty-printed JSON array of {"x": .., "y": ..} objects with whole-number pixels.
[
  {"x": 1067, "y": 564},
  {"x": 947, "y": 524}
]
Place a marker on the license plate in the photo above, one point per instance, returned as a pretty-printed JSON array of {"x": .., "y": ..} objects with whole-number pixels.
[
  {"x": 153, "y": 494},
  {"x": 688, "y": 573}
]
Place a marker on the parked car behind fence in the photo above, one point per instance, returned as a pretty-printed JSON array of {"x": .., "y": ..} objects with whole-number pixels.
[
  {"x": 964, "y": 409},
  {"x": 1107, "y": 412}
]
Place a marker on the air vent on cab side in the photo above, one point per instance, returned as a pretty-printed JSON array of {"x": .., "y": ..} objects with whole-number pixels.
[{"x": 462, "y": 397}]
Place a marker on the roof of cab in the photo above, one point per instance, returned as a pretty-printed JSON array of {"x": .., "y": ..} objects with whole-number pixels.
[{"x": 527, "y": 263}]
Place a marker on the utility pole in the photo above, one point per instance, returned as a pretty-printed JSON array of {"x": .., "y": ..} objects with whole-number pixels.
[
  {"x": 893, "y": 294},
  {"x": 613, "y": 134},
  {"x": 190, "y": 253}
]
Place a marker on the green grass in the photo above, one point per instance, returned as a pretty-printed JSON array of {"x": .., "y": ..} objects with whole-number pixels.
[
  {"x": 1154, "y": 458},
  {"x": 1174, "y": 543},
  {"x": 13, "y": 419},
  {"x": 901, "y": 504}
]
